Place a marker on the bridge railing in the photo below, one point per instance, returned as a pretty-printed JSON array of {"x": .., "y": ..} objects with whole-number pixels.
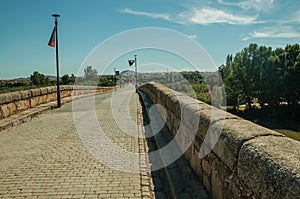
[
  {"x": 247, "y": 161},
  {"x": 15, "y": 102}
]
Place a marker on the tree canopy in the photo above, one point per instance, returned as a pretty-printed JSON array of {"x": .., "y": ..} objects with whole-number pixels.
[
  {"x": 90, "y": 73},
  {"x": 39, "y": 79},
  {"x": 269, "y": 76}
]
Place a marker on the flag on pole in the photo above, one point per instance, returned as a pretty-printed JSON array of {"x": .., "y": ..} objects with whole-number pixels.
[
  {"x": 52, "y": 38},
  {"x": 131, "y": 62}
]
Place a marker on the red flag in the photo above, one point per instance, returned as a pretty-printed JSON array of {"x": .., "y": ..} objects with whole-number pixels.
[
  {"x": 131, "y": 62},
  {"x": 52, "y": 38}
]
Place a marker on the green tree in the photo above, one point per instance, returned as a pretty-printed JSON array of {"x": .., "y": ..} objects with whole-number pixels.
[
  {"x": 230, "y": 75},
  {"x": 39, "y": 79},
  {"x": 270, "y": 80},
  {"x": 65, "y": 79},
  {"x": 72, "y": 78},
  {"x": 260, "y": 73},
  {"x": 292, "y": 74},
  {"x": 106, "y": 81},
  {"x": 216, "y": 96},
  {"x": 202, "y": 92},
  {"x": 90, "y": 74}
]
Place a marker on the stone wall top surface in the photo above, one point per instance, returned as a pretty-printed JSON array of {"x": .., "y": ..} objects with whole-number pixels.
[{"x": 26, "y": 94}]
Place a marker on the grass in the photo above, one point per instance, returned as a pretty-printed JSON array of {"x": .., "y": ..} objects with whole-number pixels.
[
  {"x": 286, "y": 127},
  {"x": 6, "y": 89},
  {"x": 12, "y": 89},
  {"x": 289, "y": 133},
  {"x": 283, "y": 125}
]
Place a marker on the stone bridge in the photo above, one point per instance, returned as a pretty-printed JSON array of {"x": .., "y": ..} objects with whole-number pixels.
[{"x": 219, "y": 155}]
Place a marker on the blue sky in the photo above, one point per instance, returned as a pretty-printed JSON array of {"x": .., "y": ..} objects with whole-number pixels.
[{"x": 220, "y": 27}]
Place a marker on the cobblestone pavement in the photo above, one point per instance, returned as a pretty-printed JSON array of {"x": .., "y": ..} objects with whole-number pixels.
[{"x": 45, "y": 158}]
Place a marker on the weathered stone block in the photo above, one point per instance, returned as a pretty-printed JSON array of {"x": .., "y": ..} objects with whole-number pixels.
[
  {"x": 206, "y": 167},
  {"x": 76, "y": 92},
  {"x": 270, "y": 167},
  {"x": 190, "y": 116},
  {"x": 169, "y": 121},
  {"x": 225, "y": 176},
  {"x": 43, "y": 99},
  {"x": 206, "y": 182},
  {"x": 188, "y": 152},
  {"x": 204, "y": 122},
  {"x": 63, "y": 88},
  {"x": 34, "y": 101},
  {"x": 52, "y": 97},
  {"x": 163, "y": 94},
  {"x": 197, "y": 143},
  {"x": 234, "y": 132},
  {"x": 5, "y": 98},
  {"x": 5, "y": 111},
  {"x": 2, "y": 99},
  {"x": 184, "y": 137},
  {"x": 67, "y": 94},
  {"x": 184, "y": 99},
  {"x": 44, "y": 91},
  {"x": 66, "y": 87},
  {"x": 70, "y": 93},
  {"x": 12, "y": 108},
  {"x": 152, "y": 97},
  {"x": 216, "y": 186},
  {"x": 51, "y": 89},
  {"x": 22, "y": 105},
  {"x": 196, "y": 163},
  {"x": 25, "y": 94},
  {"x": 35, "y": 92},
  {"x": 175, "y": 123},
  {"x": 15, "y": 96}
]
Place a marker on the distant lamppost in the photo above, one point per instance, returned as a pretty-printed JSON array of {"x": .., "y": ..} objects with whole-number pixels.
[
  {"x": 136, "y": 76},
  {"x": 116, "y": 73},
  {"x": 131, "y": 62}
]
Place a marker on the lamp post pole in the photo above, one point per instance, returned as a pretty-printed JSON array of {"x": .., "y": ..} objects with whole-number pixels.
[
  {"x": 115, "y": 79},
  {"x": 57, "y": 62},
  {"x": 136, "y": 76}
]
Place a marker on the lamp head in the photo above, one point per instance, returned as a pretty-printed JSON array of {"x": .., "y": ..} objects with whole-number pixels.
[{"x": 55, "y": 16}]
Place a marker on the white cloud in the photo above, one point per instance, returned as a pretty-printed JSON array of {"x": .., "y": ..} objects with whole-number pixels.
[
  {"x": 250, "y": 4},
  {"x": 147, "y": 14},
  {"x": 193, "y": 36},
  {"x": 201, "y": 16},
  {"x": 211, "y": 15},
  {"x": 274, "y": 32},
  {"x": 295, "y": 17}
]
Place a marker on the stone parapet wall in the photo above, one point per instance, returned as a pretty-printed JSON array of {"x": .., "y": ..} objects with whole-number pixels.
[
  {"x": 247, "y": 160},
  {"x": 14, "y": 102}
]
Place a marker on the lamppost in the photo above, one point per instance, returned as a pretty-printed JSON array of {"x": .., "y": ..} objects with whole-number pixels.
[{"x": 57, "y": 63}]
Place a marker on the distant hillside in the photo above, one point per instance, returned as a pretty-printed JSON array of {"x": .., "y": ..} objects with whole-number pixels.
[
  {"x": 127, "y": 72},
  {"x": 21, "y": 80},
  {"x": 51, "y": 76},
  {"x": 15, "y": 81}
]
